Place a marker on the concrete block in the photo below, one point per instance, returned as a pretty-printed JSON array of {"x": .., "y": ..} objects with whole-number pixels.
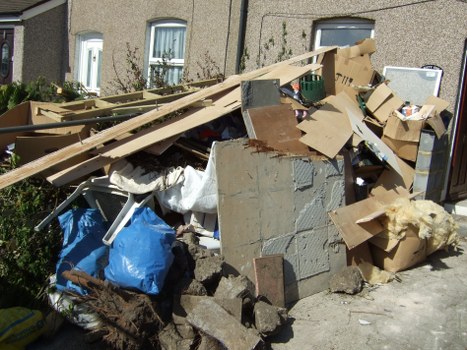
[
  {"x": 313, "y": 214},
  {"x": 239, "y": 258},
  {"x": 286, "y": 213},
  {"x": 274, "y": 202},
  {"x": 313, "y": 252},
  {"x": 336, "y": 197}
]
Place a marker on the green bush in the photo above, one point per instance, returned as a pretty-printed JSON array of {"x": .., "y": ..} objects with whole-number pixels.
[
  {"x": 27, "y": 258},
  {"x": 39, "y": 90}
]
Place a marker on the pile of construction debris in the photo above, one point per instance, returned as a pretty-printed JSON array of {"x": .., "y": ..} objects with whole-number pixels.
[
  {"x": 279, "y": 150},
  {"x": 198, "y": 307}
]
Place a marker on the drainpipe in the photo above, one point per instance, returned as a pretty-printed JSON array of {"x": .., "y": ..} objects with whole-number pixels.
[{"x": 241, "y": 33}]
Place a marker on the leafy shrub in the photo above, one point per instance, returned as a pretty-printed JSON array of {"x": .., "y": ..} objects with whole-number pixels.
[{"x": 27, "y": 258}]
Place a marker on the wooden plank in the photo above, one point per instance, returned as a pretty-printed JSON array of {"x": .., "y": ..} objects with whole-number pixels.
[
  {"x": 187, "y": 121},
  {"x": 42, "y": 163}
]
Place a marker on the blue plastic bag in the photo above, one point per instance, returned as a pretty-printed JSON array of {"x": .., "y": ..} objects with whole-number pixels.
[
  {"x": 141, "y": 254},
  {"x": 83, "y": 249}
]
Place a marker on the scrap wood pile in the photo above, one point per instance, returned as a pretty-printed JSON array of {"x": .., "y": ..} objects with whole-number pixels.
[{"x": 135, "y": 211}]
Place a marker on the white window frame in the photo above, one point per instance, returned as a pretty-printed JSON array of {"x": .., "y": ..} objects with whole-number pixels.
[
  {"x": 157, "y": 61},
  {"x": 342, "y": 23},
  {"x": 85, "y": 42}
]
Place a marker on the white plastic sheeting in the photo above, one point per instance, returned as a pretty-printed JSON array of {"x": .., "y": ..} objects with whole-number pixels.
[{"x": 197, "y": 193}]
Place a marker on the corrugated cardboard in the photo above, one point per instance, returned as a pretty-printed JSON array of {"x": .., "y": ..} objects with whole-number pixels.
[
  {"x": 349, "y": 73},
  {"x": 394, "y": 255},
  {"x": 362, "y": 47},
  {"x": 405, "y": 149},
  {"x": 398, "y": 129},
  {"x": 328, "y": 129},
  {"x": 382, "y": 102}
]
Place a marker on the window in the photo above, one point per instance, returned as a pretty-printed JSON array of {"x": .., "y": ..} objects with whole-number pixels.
[
  {"x": 342, "y": 32},
  {"x": 5, "y": 60},
  {"x": 90, "y": 61},
  {"x": 166, "y": 52}
]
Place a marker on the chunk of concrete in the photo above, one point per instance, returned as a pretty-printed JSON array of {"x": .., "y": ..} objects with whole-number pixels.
[
  {"x": 209, "y": 269},
  {"x": 349, "y": 280},
  {"x": 187, "y": 303},
  {"x": 186, "y": 331},
  {"x": 235, "y": 287},
  {"x": 213, "y": 320},
  {"x": 170, "y": 339},
  {"x": 268, "y": 318},
  {"x": 209, "y": 343}
]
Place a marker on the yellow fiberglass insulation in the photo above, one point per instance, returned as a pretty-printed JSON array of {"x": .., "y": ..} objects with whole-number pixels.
[{"x": 429, "y": 218}]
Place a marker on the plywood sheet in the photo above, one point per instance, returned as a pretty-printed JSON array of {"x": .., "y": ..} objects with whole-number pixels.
[{"x": 277, "y": 126}]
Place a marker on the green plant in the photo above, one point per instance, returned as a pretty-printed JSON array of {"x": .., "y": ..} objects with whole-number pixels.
[
  {"x": 38, "y": 90},
  {"x": 133, "y": 78},
  {"x": 208, "y": 68},
  {"x": 27, "y": 258},
  {"x": 243, "y": 59},
  {"x": 285, "y": 51}
]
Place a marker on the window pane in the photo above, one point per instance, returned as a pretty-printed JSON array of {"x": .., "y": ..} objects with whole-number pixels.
[
  {"x": 343, "y": 36},
  {"x": 5, "y": 64},
  {"x": 169, "y": 42},
  {"x": 99, "y": 65},
  {"x": 89, "y": 65},
  {"x": 171, "y": 75}
]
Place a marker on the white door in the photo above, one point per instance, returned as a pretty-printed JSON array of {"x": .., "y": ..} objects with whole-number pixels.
[{"x": 90, "y": 62}]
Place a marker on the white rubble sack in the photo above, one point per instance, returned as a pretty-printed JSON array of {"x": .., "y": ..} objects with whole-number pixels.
[{"x": 198, "y": 191}]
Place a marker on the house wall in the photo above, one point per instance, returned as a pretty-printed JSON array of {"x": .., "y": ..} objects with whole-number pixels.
[
  {"x": 407, "y": 33},
  {"x": 212, "y": 32},
  {"x": 44, "y": 51}
]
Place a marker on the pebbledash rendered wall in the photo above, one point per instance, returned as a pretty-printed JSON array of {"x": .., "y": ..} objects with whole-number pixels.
[
  {"x": 212, "y": 32},
  {"x": 40, "y": 48},
  {"x": 408, "y": 33}
]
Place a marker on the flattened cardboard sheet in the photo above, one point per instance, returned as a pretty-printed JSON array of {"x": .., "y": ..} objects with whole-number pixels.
[
  {"x": 382, "y": 102},
  {"x": 345, "y": 220},
  {"x": 362, "y": 47},
  {"x": 365, "y": 133},
  {"x": 350, "y": 73}
]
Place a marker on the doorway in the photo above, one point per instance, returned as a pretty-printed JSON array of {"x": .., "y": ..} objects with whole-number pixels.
[
  {"x": 90, "y": 61},
  {"x": 457, "y": 188}
]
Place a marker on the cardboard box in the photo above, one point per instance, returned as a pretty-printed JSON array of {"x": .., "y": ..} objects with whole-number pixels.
[
  {"x": 397, "y": 255},
  {"x": 402, "y": 135},
  {"x": 404, "y": 149}
]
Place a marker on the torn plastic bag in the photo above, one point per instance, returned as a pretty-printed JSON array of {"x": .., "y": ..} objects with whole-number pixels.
[
  {"x": 198, "y": 191},
  {"x": 141, "y": 254},
  {"x": 83, "y": 249}
]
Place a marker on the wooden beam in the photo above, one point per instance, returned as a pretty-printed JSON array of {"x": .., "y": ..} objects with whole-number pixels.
[
  {"x": 187, "y": 121},
  {"x": 91, "y": 142}
]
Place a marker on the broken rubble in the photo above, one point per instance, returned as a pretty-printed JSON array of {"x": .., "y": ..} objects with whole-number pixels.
[
  {"x": 213, "y": 320},
  {"x": 268, "y": 318},
  {"x": 349, "y": 280}
]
